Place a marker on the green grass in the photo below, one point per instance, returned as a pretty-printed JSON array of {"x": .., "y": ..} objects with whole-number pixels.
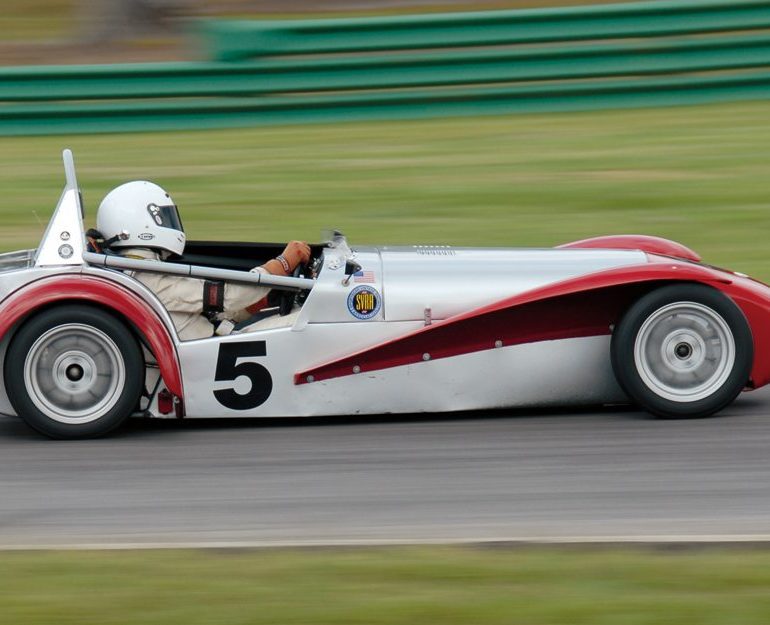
[
  {"x": 442, "y": 586},
  {"x": 699, "y": 175}
]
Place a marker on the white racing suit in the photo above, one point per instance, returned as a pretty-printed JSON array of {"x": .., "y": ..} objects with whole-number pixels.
[{"x": 183, "y": 299}]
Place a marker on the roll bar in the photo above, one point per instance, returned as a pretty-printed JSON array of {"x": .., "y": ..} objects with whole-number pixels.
[{"x": 196, "y": 271}]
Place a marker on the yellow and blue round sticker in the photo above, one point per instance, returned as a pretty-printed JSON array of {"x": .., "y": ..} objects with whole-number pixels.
[{"x": 364, "y": 302}]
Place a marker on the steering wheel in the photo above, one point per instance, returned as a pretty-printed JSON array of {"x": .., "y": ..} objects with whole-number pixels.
[{"x": 288, "y": 297}]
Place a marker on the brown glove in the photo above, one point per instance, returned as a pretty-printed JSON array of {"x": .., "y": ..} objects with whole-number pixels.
[{"x": 296, "y": 252}]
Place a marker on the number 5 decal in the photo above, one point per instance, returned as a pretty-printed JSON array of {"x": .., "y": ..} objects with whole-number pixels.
[{"x": 228, "y": 369}]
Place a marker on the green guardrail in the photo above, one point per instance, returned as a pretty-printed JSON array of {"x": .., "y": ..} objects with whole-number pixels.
[
  {"x": 636, "y": 54},
  {"x": 232, "y": 41}
]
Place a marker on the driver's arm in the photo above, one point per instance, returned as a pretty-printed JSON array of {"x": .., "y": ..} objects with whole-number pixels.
[
  {"x": 238, "y": 297},
  {"x": 296, "y": 253}
]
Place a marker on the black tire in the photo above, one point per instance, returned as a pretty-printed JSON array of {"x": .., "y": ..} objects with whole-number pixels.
[
  {"x": 74, "y": 371},
  {"x": 683, "y": 351}
]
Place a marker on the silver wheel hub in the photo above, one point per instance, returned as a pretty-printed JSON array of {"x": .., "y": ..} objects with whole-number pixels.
[
  {"x": 684, "y": 351},
  {"x": 74, "y": 373}
]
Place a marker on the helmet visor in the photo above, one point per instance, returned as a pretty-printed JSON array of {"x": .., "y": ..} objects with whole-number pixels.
[{"x": 165, "y": 216}]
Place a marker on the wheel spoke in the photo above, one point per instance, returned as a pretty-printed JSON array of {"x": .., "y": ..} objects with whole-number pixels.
[
  {"x": 74, "y": 373},
  {"x": 684, "y": 351}
]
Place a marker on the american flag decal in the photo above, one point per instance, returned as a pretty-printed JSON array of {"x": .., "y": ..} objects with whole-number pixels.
[{"x": 363, "y": 276}]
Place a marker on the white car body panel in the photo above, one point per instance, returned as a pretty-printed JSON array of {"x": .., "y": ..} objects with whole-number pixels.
[
  {"x": 460, "y": 279},
  {"x": 562, "y": 372}
]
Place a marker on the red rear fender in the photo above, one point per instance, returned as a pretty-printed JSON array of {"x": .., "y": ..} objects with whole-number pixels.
[{"x": 104, "y": 293}]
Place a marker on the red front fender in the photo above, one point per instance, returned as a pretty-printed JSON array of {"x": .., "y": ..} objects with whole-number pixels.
[
  {"x": 107, "y": 294},
  {"x": 643, "y": 242}
]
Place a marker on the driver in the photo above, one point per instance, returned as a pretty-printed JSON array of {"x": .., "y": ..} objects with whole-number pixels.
[{"x": 140, "y": 220}]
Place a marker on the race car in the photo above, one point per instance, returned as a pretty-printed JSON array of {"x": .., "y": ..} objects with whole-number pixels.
[{"x": 613, "y": 319}]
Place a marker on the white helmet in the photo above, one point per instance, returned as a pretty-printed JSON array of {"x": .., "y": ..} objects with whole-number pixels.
[{"x": 140, "y": 214}]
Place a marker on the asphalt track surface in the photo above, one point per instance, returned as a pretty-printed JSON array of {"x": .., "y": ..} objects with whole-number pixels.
[{"x": 602, "y": 474}]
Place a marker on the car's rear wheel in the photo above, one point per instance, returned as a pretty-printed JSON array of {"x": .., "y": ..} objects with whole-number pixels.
[
  {"x": 683, "y": 350},
  {"x": 74, "y": 372}
]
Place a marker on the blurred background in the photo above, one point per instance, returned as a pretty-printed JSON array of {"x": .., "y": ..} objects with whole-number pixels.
[
  {"x": 66, "y": 31},
  {"x": 398, "y": 122},
  {"x": 475, "y": 168}
]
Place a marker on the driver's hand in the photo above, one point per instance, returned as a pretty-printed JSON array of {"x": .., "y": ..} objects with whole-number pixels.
[{"x": 297, "y": 252}]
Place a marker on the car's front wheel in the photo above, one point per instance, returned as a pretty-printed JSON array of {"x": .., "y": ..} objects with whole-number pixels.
[
  {"x": 683, "y": 350},
  {"x": 74, "y": 372}
]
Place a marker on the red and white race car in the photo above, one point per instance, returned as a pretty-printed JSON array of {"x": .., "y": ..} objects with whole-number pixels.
[{"x": 380, "y": 330}]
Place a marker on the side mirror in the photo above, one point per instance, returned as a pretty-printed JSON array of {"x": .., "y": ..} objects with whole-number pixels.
[{"x": 351, "y": 267}]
